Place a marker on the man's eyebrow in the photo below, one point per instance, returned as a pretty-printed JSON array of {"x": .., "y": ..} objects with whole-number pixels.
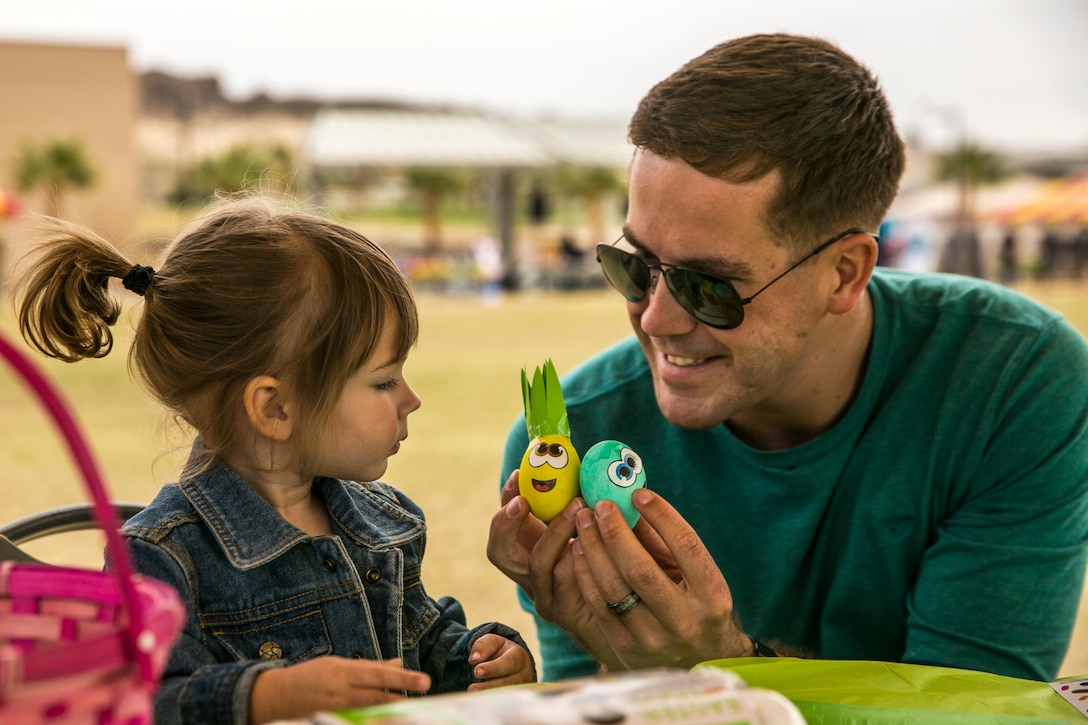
[
  {"x": 634, "y": 242},
  {"x": 718, "y": 266}
]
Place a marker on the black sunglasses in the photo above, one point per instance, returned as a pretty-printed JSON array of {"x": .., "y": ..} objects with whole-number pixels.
[{"x": 710, "y": 300}]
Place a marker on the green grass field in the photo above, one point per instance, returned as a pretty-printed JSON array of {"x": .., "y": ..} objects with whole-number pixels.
[{"x": 466, "y": 368}]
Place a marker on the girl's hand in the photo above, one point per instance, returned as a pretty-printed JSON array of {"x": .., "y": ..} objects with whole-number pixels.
[
  {"x": 498, "y": 661},
  {"x": 330, "y": 683}
]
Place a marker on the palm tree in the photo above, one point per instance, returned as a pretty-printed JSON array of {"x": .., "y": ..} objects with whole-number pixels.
[
  {"x": 593, "y": 185},
  {"x": 55, "y": 167},
  {"x": 239, "y": 168},
  {"x": 433, "y": 186},
  {"x": 970, "y": 166}
]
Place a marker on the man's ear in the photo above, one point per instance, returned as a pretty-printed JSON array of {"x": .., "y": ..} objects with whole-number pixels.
[
  {"x": 267, "y": 409},
  {"x": 854, "y": 265}
]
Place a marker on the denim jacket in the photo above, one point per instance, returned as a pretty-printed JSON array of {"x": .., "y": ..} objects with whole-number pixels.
[{"x": 261, "y": 593}]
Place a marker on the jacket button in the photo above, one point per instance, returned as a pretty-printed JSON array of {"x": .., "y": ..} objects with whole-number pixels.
[
  {"x": 358, "y": 656},
  {"x": 271, "y": 651},
  {"x": 329, "y": 564},
  {"x": 373, "y": 574}
]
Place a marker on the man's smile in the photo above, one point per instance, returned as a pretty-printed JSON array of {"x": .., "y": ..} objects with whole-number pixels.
[{"x": 684, "y": 361}]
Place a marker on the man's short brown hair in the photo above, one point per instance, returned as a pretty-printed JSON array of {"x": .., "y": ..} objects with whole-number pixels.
[{"x": 794, "y": 105}]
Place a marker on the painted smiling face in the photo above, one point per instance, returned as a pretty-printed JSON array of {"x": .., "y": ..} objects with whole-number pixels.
[
  {"x": 548, "y": 478},
  {"x": 612, "y": 470}
]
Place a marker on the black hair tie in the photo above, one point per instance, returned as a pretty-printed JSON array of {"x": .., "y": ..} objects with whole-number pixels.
[{"x": 138, "y": 279}]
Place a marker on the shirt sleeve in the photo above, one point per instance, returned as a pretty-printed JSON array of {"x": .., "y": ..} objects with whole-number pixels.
[
  {"x": 445, "y": 649},
  {"x": 1018, "y": 526}
]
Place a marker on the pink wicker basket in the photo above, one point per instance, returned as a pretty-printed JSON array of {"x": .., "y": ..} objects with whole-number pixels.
[{"x": 81, "y": 646}]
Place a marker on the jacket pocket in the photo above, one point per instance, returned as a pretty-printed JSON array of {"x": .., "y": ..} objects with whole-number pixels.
[{"x": 294, "y": 636}]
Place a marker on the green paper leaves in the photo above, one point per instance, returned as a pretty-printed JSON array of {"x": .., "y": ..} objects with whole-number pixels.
[{"x": 545, "y": 410}]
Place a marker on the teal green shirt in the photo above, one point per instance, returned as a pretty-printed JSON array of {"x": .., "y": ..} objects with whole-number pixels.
[{"x": 943, "y": 520}]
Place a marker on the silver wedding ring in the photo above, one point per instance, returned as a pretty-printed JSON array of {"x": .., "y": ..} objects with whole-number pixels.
[{"x": 625, "y": 605}]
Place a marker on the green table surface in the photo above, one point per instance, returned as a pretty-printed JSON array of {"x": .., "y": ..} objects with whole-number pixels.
[{"x": 834, "y": 692}]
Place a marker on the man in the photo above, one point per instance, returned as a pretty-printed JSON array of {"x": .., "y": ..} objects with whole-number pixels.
[{"x": 842, "y": 463}]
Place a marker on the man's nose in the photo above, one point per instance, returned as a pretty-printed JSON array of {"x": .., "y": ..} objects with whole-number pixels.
[{"x": 662, "y": 314}]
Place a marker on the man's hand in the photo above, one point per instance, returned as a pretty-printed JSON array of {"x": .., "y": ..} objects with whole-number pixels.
[
  {"x": 537, "y": 558},
  {"x": 685, "y": 612},
  {"x": 514, "y": 534}
]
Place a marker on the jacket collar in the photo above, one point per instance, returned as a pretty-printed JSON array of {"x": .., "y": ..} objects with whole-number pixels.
[{"x": 251, "y": 532}]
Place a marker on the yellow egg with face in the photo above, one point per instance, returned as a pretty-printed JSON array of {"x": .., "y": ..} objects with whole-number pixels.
[{"x": 548, "y": 478}]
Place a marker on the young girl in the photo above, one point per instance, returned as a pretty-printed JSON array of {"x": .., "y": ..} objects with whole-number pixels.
[{"x": 280, "y": 337}]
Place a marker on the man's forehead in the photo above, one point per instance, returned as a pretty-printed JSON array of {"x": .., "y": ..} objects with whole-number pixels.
[{"x": 669, "y": 186}]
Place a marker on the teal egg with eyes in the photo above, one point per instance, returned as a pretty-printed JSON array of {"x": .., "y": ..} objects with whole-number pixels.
[{"x": 612, "y": 471}]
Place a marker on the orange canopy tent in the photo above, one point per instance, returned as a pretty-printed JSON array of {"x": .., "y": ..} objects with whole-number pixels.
[{"x": 1058, "y": 202}]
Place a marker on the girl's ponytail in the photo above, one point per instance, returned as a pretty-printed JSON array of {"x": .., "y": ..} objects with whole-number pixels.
[{"x": 65, "y": 308}]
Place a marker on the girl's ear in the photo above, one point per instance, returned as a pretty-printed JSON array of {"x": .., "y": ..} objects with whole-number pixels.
[{"x": 267, "y": 409}]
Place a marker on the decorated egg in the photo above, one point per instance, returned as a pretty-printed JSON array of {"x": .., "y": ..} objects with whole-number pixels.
[
  {"x": 548, "y": 478},
  {"x": 612, "y": 470}
]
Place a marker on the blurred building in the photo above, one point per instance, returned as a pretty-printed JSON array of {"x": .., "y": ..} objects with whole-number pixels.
[
  {"x": 145, "y": 133},
  {"x": 83, "y": 94},
  {"x": 342, "y": 145}
]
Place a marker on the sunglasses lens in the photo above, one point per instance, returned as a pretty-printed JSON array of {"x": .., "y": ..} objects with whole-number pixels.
[
  {"x": 711, "y": 301},
  {"x": 624, "y": 271}
]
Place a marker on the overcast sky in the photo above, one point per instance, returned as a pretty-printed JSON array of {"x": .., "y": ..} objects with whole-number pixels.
[{"x": 1011, "y": 73}]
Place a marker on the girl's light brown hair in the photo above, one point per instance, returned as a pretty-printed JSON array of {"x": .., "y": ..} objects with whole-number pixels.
[{"x": 250, "y": 288}]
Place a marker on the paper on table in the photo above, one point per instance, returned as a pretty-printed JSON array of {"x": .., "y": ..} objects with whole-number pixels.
[
  {"x": 1075, "y": 692},
  {"x": 645, "y": 697}
]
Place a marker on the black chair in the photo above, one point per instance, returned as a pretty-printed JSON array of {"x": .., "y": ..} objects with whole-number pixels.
[{"x": 60, "y": 520}]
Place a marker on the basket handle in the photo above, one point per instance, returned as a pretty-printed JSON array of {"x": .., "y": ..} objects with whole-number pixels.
[{"x": 59, "y": 411}]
